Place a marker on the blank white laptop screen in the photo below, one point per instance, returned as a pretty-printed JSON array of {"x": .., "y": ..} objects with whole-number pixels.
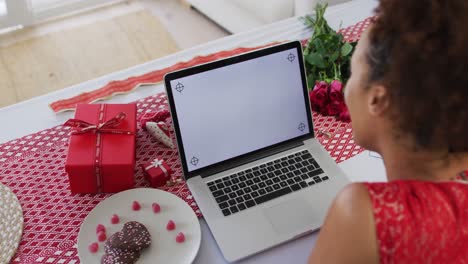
[{"x": 233, "y": 110}]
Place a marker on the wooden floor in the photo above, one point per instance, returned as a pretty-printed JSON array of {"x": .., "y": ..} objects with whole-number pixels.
[
  {"x": 187, "y": 26},
  {"x": 32, "y": 66}
]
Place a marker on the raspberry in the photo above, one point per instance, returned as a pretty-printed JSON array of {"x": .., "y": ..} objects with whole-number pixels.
[
  {"x": 100, "y": 228},
  {"x": 170, "y": 225},
  {"x": 136, "y": 206},
  {"x": 101, "y": 236},
  {"x": 115, "y": 219},
  {"x": 93, "y": 247},
  {"x": 180, "y": 238},
  {"x": 156, "y": 207}
]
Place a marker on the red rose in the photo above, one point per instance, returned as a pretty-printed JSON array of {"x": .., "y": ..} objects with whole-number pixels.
[
  {"x": 335, "y": 108},
  {"x": 319, "y": 97},
  {"x": 336, "y": 91},
  {"x": 344, "y": 116},
  {"x": 321, "y": 85},
  {"x": 336, "y": 85}
]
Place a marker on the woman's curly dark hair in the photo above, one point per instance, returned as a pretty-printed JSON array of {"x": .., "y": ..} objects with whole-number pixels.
[{"x": 419, "y": 50}]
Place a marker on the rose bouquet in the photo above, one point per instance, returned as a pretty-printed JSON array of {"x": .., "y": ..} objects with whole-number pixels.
[
  {"x": 328, "y": 100},
  {"x": 327, "y": 58}
]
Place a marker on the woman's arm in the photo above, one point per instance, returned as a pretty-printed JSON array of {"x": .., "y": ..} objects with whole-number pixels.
[{"x": 348, "y": 234}]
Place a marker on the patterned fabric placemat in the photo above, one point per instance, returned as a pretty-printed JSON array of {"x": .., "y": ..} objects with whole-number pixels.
[{"x": 53, "y": 215}]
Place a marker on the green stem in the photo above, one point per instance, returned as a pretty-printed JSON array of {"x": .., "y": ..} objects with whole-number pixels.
[
  {"x": 339, "y": 72},
  {"x": 335, "y": 73}
]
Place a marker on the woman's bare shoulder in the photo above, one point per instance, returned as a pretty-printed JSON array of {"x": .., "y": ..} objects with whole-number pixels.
[{"x": 348, "y": 234}]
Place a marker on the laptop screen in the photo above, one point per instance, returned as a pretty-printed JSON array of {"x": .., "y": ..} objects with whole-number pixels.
[{"x": 236, "y": 109}]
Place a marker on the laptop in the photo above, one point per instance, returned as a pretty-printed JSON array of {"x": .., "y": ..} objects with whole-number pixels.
[{"x": 246, "y": 141}]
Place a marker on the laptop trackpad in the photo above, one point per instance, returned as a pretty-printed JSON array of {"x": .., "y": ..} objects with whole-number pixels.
[{"x": 293, "y": 216}]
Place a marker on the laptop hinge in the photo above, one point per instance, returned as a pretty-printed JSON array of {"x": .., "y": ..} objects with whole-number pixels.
[{"x": 263, "y": 154}]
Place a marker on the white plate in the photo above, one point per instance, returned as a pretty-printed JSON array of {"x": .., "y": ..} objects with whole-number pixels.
[{"x": 164, "y": 248}]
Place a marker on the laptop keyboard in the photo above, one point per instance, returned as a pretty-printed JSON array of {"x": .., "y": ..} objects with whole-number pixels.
[{"x": 248, "y": 188}]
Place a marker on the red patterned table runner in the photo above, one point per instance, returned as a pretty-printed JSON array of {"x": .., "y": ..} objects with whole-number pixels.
[
  {"x": 351, "y": 33},
  {"x": 33, "y": 167},
  {"x": 34, "y": 170}
]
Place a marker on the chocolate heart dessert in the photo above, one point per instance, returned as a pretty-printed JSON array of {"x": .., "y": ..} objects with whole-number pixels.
[
  {"x": 120, "y": 256},
  {"x": 124, "y": 246},
  {"x": 133, "y": 236}
]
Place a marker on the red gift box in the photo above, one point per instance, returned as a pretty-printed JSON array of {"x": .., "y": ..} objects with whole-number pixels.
[
  {"x": 101, "y": 154},
  {"x": 157, "y": 172}
]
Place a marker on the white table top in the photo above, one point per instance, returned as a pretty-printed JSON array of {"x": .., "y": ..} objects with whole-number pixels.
[{"x": 33, "y": 115}]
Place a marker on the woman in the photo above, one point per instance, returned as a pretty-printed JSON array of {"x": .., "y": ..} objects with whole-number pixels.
[{"x": 407, "y": 97}]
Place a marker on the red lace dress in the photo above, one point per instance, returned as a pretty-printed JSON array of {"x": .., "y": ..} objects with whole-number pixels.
[{"x": 421, "y": 222}]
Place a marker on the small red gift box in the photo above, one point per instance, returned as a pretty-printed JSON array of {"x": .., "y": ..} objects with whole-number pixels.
[
  {"x": 157, "y": 172},
  {"x": 101, "y": 154}
]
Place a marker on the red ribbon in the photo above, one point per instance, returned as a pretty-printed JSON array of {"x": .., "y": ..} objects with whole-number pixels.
[{"x": 108, "y": 127}]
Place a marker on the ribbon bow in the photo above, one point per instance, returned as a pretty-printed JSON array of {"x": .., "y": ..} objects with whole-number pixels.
[
  {"x": 108, "y": 127},
  {"x": 156, "y": 163}
]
